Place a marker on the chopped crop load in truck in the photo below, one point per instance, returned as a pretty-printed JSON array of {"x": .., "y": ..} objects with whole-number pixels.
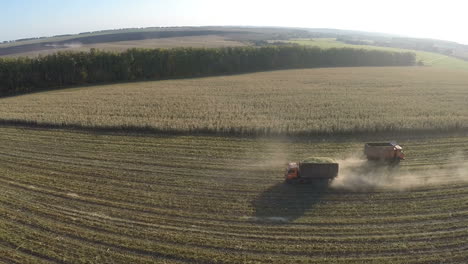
[{"x": 313, "y": 169}]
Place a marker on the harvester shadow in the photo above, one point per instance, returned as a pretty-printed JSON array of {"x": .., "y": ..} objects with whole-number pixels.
[{"x": 283, "y": 203}]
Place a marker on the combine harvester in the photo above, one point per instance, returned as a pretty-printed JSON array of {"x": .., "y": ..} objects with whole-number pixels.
[
  {"x": 312, "y": 170},
  {"x": 386, "y": 152}
]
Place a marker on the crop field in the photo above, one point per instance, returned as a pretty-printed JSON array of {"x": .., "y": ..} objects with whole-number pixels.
[
  {"x": 75, "y": 197},
  {"x": 428, "y": 58},
  {"x": 289, "y": 102},
  {"x": 209, "y": 41},
  {"x": 209, "y": 194}
]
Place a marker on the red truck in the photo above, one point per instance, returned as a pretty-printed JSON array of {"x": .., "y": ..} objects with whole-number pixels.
[{"x": 311, "y": 170}]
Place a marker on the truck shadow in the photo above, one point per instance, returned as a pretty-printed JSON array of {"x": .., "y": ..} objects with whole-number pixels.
[{"x": 283, "y": 203}]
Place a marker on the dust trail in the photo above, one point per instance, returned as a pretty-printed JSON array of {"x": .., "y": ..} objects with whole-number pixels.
[
  {"x": 357, "y": 174},
  {"x": 265, "y": 160},
  {"x": 275, "y": 155}
]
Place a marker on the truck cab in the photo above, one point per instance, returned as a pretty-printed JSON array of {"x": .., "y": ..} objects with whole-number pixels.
[
  {"x": 292, "y": 171},
  {"x": 399, "y": 152},
  {"x": 312, "y": 170}
]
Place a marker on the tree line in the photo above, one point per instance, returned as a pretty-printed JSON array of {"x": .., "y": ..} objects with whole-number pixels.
[{"x": 21, "y": 75}]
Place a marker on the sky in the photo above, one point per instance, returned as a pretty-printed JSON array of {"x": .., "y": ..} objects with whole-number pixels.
[{"x": 444, "y": 20}]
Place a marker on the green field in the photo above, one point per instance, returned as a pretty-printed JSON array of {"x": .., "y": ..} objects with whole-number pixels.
[
  {"x": 72, "y": 197},
  {"x": 293, "y": 102},
  {"x": 428, "y": 58}
]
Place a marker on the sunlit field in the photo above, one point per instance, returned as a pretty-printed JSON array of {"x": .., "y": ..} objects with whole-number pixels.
[
  {"x": 208, "y": 132},
  {"x": 188, "y": 191},
  {"x": 293, "y": 102},
  {"x": 71, "y": 197}
]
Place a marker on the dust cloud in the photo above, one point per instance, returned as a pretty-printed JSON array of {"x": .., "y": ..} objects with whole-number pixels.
[
  {"x": 275, "y": 155},
  {"x": 357, "y": 174}
]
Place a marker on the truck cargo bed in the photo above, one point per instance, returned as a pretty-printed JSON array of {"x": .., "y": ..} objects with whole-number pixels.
[
  {"x": 382, "y": 151},
  {"x": 318, "y": 170}
]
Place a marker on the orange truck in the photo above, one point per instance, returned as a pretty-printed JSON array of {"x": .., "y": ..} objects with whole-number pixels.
[
  {"x": 311, "y": 170},
  {"x": 391, "y": 152}
]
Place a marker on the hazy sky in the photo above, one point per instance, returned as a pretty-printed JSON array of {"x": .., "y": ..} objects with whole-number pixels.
[{"x": 445, "y": 19}]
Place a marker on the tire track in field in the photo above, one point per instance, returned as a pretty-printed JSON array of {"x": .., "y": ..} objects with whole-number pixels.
[
  {"x": 105, "y": 218},
  {"x": 121, "y": 204},
  {"x": 210, "y": 192},
  {"x": 106, "y": 205},
  {"x": 204, "y": 199},
  {"x": 448, "y": 195},
  {"x": 380, "y": 252}
]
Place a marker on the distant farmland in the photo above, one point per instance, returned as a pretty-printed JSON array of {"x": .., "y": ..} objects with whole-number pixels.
[
  {"x": 147, "y": 38},
  {"x": 427, "y": 58},
  {"x": 293, "y": 102},
  {"x": 209, "y": 41}
]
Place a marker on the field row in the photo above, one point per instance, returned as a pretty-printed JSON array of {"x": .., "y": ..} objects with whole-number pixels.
[{"x": 71, "y": 197}]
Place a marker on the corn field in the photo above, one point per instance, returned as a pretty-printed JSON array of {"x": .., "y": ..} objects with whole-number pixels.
[{"x": 288, "y": 102}]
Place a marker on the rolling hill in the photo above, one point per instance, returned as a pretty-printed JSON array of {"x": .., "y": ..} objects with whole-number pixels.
[{"x": 122, "y": 39}]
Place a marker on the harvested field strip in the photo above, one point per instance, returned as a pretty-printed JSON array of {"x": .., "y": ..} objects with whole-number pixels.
[
  {"x": 378, "y": 198},
  {"x": 101, "y": 222},
  {"x": 438, "y": 226},
  {"x": 251, "y": 247},
  {"x": 424, "y": 203},
  {"x": 81, "y": 198},
  {"x": 424, "y": 209},
  {"x": 214, "y": 224}
]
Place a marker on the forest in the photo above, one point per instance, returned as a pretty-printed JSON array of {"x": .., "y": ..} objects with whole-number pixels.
[{"x": 22, "y": 75}]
